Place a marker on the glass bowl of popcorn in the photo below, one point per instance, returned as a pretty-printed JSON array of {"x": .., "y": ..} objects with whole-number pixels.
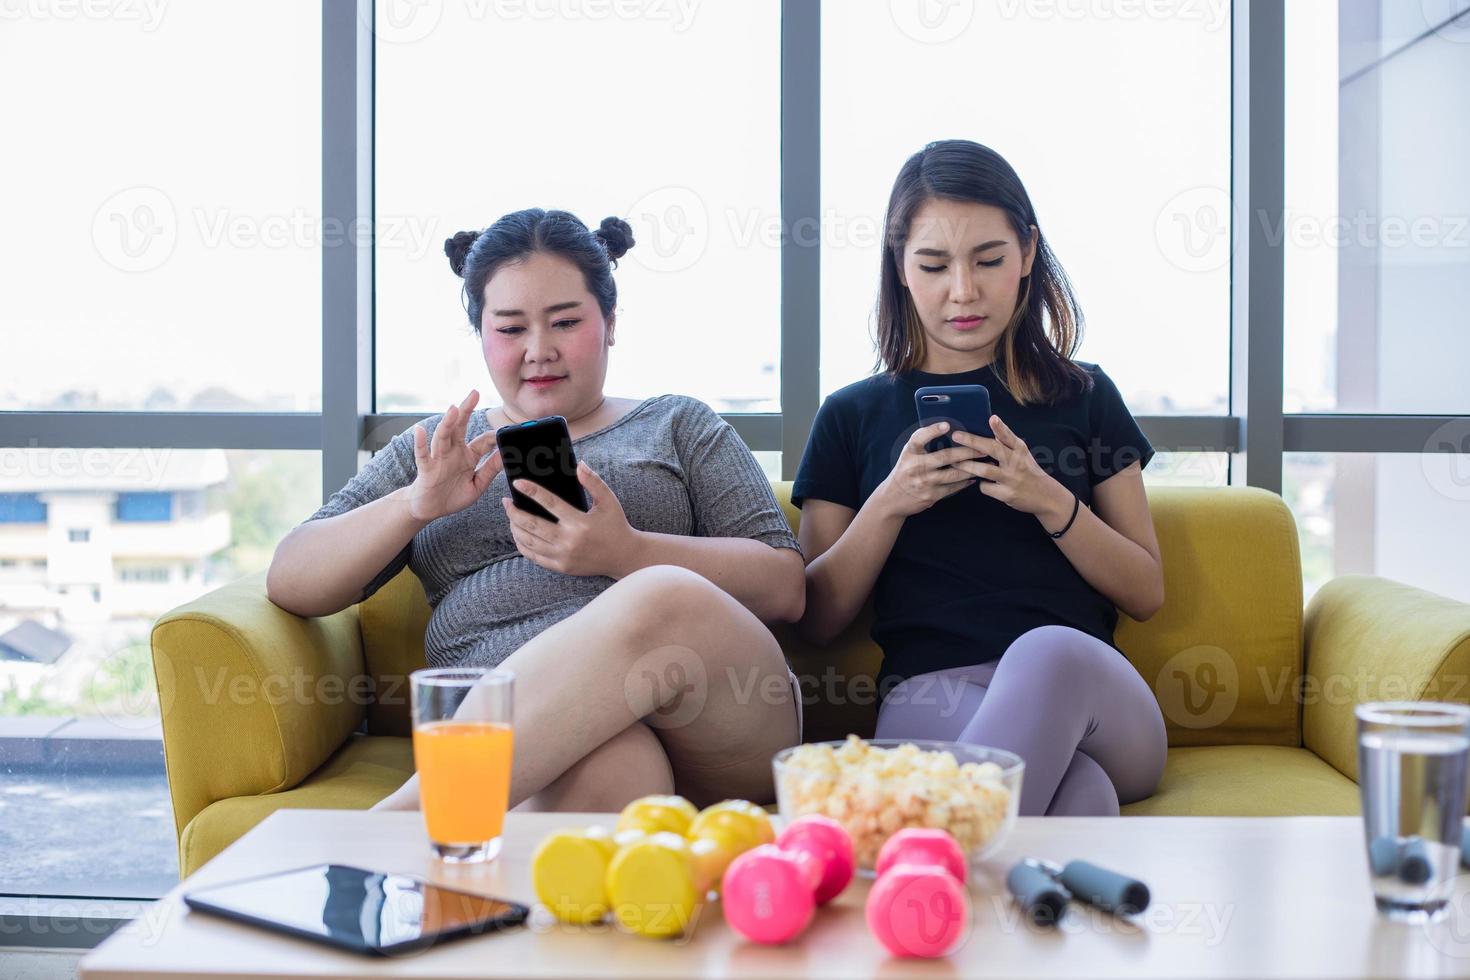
[{"x": 877, "y": 787}]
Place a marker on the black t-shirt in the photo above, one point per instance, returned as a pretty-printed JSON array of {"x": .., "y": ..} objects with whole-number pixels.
[{"x": 969, "y": 575}]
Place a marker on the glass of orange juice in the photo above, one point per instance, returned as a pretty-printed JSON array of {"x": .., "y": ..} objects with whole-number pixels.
[{"x": 462, "y": 750}]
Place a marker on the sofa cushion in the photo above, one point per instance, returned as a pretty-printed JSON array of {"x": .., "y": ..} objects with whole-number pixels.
[
  {"x": 363, "y": 771},
  {"x": 1224, "y": 654},
  {"x": 1248, "y": 781}
]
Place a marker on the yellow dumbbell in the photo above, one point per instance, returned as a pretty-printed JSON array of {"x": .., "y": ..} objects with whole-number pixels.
[
  {"x": 569, "y": 871},
  {"x": 722, "y": 832},
  {"x": 654, "y": 884},
  {"x": 652, "y": 814},
  {"x": 647, "y": 871}
]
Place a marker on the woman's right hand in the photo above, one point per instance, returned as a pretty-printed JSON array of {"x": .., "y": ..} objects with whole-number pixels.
[
  {"x": 448, "y": 480},
  {"x": 920, "y": 478}
]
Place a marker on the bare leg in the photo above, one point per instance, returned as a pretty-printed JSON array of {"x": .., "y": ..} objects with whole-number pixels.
[
  {"x": 667, "y": 647},
  {"x": 629, "y": 765}
]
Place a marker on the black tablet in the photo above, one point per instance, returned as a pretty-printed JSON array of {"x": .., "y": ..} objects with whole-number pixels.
[{"x": 353, "y": 908}]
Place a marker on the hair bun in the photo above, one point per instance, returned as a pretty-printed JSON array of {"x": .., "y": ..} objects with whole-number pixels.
[
  {"x": 616, "y": 236},
  {"x": 457, "y": 248}
]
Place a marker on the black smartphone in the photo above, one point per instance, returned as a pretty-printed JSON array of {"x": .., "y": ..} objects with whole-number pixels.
[
  {"x": 352, "y": 908},
  {"x": 964, "y": 407},
  {"x": 541, "y": 451}
]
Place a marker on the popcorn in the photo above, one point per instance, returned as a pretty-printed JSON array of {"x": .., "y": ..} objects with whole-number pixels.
[{"x": 875, "y": 792}]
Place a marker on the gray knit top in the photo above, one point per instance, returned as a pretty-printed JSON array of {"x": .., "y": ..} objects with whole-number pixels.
[{"x": 676, "y": 468}]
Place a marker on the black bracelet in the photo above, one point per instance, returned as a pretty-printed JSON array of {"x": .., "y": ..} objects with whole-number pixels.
[{"x": 1076, "y": 506}]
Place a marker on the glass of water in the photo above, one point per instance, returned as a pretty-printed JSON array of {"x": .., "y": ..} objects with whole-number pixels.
[{"x": 1411, "y": 771}]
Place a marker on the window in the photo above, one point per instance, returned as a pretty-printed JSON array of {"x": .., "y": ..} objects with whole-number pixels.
[
  {"x": 144, "y": 573},
  {"x": 1377, "y": 231},
  {"x": 1187, "y": 469},
  {"x": 79, "y": 535},
  {"x": 99, "y": 613},
  {"x": 1130, "y": 177},
  {"x": 670, "y": 122},
  {"x": 1399, "y": 515},
  {"x": 148, "y": 506},
  {"x": 22, "y": 508},
  {"x": 190, "y": 503},
  {"x": 170, "y": 255}
]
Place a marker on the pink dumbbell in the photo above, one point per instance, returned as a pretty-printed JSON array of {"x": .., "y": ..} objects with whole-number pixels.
[
  {"x": 771, "y": 892},
  {"x": 919, "y": 905}
]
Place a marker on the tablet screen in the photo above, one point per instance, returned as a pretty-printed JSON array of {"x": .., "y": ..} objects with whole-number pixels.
[{"x": 364, "y": 910}]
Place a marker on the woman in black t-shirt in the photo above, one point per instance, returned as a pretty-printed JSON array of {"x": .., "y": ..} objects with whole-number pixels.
[{"x": 997, "y": 567}]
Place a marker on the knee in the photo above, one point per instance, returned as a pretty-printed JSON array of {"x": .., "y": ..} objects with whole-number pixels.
[
  {"x": 669, "y": 589},
  {"x": 1057, "y": 652},
  {"x": 665, "y": 601},
  {"x": 636, "y": 745}
]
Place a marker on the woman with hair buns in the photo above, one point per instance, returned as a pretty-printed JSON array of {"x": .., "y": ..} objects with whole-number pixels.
[{"x": 672, "y": 573}]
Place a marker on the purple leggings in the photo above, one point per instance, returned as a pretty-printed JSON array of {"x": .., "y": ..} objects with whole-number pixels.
[{"x": 1073, "y": 708}]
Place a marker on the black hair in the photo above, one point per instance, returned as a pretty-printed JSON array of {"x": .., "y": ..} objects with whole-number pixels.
[
  {"x": 1034, "y": 365},
  {"x": 475, "y": 256}
]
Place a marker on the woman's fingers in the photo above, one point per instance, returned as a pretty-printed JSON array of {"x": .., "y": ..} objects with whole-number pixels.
[
  {"x": 527, "y": 525},
  {"x": 454, "y": 426},
  {"x": 986, "y": 445},
  {"x": 1004, "y": 435},
  {"x": 420, "y": 444},
  {"x": 945, "y": 476},
  {"x": 988, "y": 471},
  {"x": 591, "y": 482},
  {"x": 478, "y": 447},
  {"x": 557, "y": 507},
  {"x": 487, "y": 471},
  {"x": 440, "y": 442},
  {"x": 466, "y": 412},
  {"x": 481, "y": 444},
  {"x": 948, "y": 457},
  {"x": 524, "y": 543},
  {"x": 922, "y": 437}
]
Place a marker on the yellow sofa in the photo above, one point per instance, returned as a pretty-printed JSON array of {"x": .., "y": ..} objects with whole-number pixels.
[{"x": 262, "y": 709}]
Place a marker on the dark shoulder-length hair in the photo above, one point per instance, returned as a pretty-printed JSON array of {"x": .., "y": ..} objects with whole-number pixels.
[{"x": 1033, "y": 362}]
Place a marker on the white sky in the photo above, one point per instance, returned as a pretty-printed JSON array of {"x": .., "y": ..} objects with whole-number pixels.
[{"x": 203, "y": 126}]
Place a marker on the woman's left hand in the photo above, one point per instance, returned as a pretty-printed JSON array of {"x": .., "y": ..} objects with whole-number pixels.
[
  {"x": 598, "y": 542},
  {"x": 1015, "y": 478}
]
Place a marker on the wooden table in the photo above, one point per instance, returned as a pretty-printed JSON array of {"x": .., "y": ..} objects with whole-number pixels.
[{"x": 1232, "y": 896}]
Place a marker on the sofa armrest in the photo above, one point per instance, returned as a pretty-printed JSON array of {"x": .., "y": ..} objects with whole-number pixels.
[
  {"x": 1373, "y": 639},
  {"x": 252, "y": 698}
]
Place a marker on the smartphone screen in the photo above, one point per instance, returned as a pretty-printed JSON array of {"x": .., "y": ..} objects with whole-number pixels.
[
  {"x": 541, "y": 451},
  {"x": 357, "y": 909}
]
